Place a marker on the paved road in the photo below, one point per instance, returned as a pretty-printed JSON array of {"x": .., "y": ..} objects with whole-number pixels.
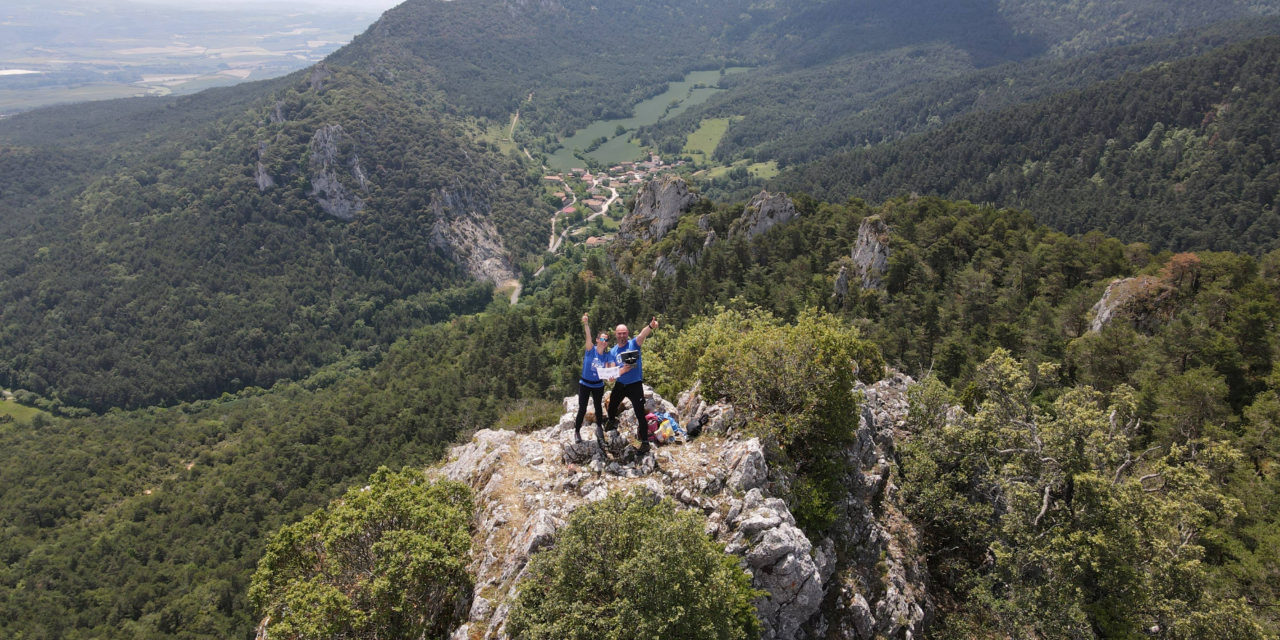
[{"x": 556, "y": 240}]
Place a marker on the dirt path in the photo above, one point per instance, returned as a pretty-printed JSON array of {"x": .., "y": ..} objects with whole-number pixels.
[
  {"x": 516, "y": 118},
  {"x": 515, "y": 291}
]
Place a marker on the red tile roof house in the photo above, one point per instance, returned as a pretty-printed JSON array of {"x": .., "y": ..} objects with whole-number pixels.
[
  {"x": 569, "y": 210},
  {"x": 596, "y": 241}
]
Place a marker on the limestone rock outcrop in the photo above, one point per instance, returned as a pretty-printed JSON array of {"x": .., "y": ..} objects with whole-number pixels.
[
  {"x": 526, "y": 491},
  {"x": 1144, "y": 300},
  {"x": 763, "y": 212},
  {"x": 879, "y": 588},
  {"x": 860, "y": 583},
  {"x": 871, "y": 252},
  {"x": 260, "y": 174},
  {"x": 658, "y": 207},
  {"x": 334, "y": 197}
]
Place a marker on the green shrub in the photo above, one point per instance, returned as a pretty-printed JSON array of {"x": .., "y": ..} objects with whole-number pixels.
[
  {"x": 630, "y": 567},
  {"x": 529, "y": 415},
  {"x": 386, "y": 561},
  {"x": 794, "y": 383},
  {"x": 1058, "y": 521}
]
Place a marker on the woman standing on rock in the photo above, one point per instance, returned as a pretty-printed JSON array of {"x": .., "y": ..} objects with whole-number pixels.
[{"x": 594, "y": 358}]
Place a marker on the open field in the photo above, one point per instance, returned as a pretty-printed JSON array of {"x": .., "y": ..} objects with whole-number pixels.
[
  {"x": 73, "y": 51},
  {"x": 19, "y": 412},
  {"x": 702, "y": 143},
  {"x": 696, "y": 88},
  {"x": 762, "y": 170}
]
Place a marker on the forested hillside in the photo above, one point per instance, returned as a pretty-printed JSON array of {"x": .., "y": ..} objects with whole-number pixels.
[
  {"x": 1182, "y": 156},
  {"x": 250, "y": 234},
  {"x": 152, "y": 520},
  {"x": 1192, "y": 338},
  {"x": 221, "y": 257},
  {"x": 576, "y": 61},
  {"x": 236, "y": 306},
  {"x": 796, "y": 116}
]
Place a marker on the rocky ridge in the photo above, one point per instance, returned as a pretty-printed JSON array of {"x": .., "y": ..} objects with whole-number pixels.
[
  {"x": 858, "y": 583},
  {"x": 658, "y": 208},
  {"x": 763, "y": 212}
]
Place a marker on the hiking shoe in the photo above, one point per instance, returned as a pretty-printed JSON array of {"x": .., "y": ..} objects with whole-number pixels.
[
  {"x": 577, "y": 435},
  {"x": 600, "y": 441},
  {"x": 611, "y": 424},
  {"x": 643, "y": 449}
]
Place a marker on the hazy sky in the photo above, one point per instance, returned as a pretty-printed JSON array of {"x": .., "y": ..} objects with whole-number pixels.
[{"x": 359, "y": 5}]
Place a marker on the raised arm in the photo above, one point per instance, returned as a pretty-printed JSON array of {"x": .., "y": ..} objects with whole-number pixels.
[
  {"x": 586, "y": 328},
  {"x": 644, "y": 333}
]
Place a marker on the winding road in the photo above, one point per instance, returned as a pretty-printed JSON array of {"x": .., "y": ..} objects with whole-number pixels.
[{"x": 556, "y": 241}]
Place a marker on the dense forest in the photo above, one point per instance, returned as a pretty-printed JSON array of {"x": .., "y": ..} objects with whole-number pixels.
[
  {"x": 235, "y": 307},
  {"x": 208, "y": 266},
  {"x": 963, "y": 281},
  {"x": 1181, "y": 155},
  {"x": 801, "y": 115}
]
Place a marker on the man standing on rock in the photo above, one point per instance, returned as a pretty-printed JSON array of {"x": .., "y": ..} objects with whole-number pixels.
[{"x": 630, "y": 384}]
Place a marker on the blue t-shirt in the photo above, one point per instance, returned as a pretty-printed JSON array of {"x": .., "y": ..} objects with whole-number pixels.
[
  {"x": 635, "y": 374},
  {"x": 590, "y": 361}
]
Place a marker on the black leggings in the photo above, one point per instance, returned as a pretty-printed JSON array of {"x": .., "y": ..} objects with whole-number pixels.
[
  {"x": 635, "y": 393},
  {"x": 596, "y": 394}
]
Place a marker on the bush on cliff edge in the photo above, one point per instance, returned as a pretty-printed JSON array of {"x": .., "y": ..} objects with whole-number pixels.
[{"x": 630, "y": 568}]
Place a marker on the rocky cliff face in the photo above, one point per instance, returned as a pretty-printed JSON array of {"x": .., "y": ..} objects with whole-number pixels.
[
  {"x": 658, "y": 207},
  {"x": 462, "y": 228},
  {"x": 763, "y": 212},
  {"x": 879, "y": 590},
  {"x": 871, "y": 252},
  {"x": 1144, "y": 300},
  {"x": 334, "y": 197},
  {"x": 260, "y": 173},
  {"x": 856, "y": 584}
]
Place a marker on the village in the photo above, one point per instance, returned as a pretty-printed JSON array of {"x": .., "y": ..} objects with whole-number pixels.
[{"x": 591, "y": 204}]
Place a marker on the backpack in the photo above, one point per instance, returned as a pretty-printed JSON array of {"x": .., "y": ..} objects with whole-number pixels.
[
  {"x": 663, "y": 428},
  {"x": 695, "y": 429}
]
